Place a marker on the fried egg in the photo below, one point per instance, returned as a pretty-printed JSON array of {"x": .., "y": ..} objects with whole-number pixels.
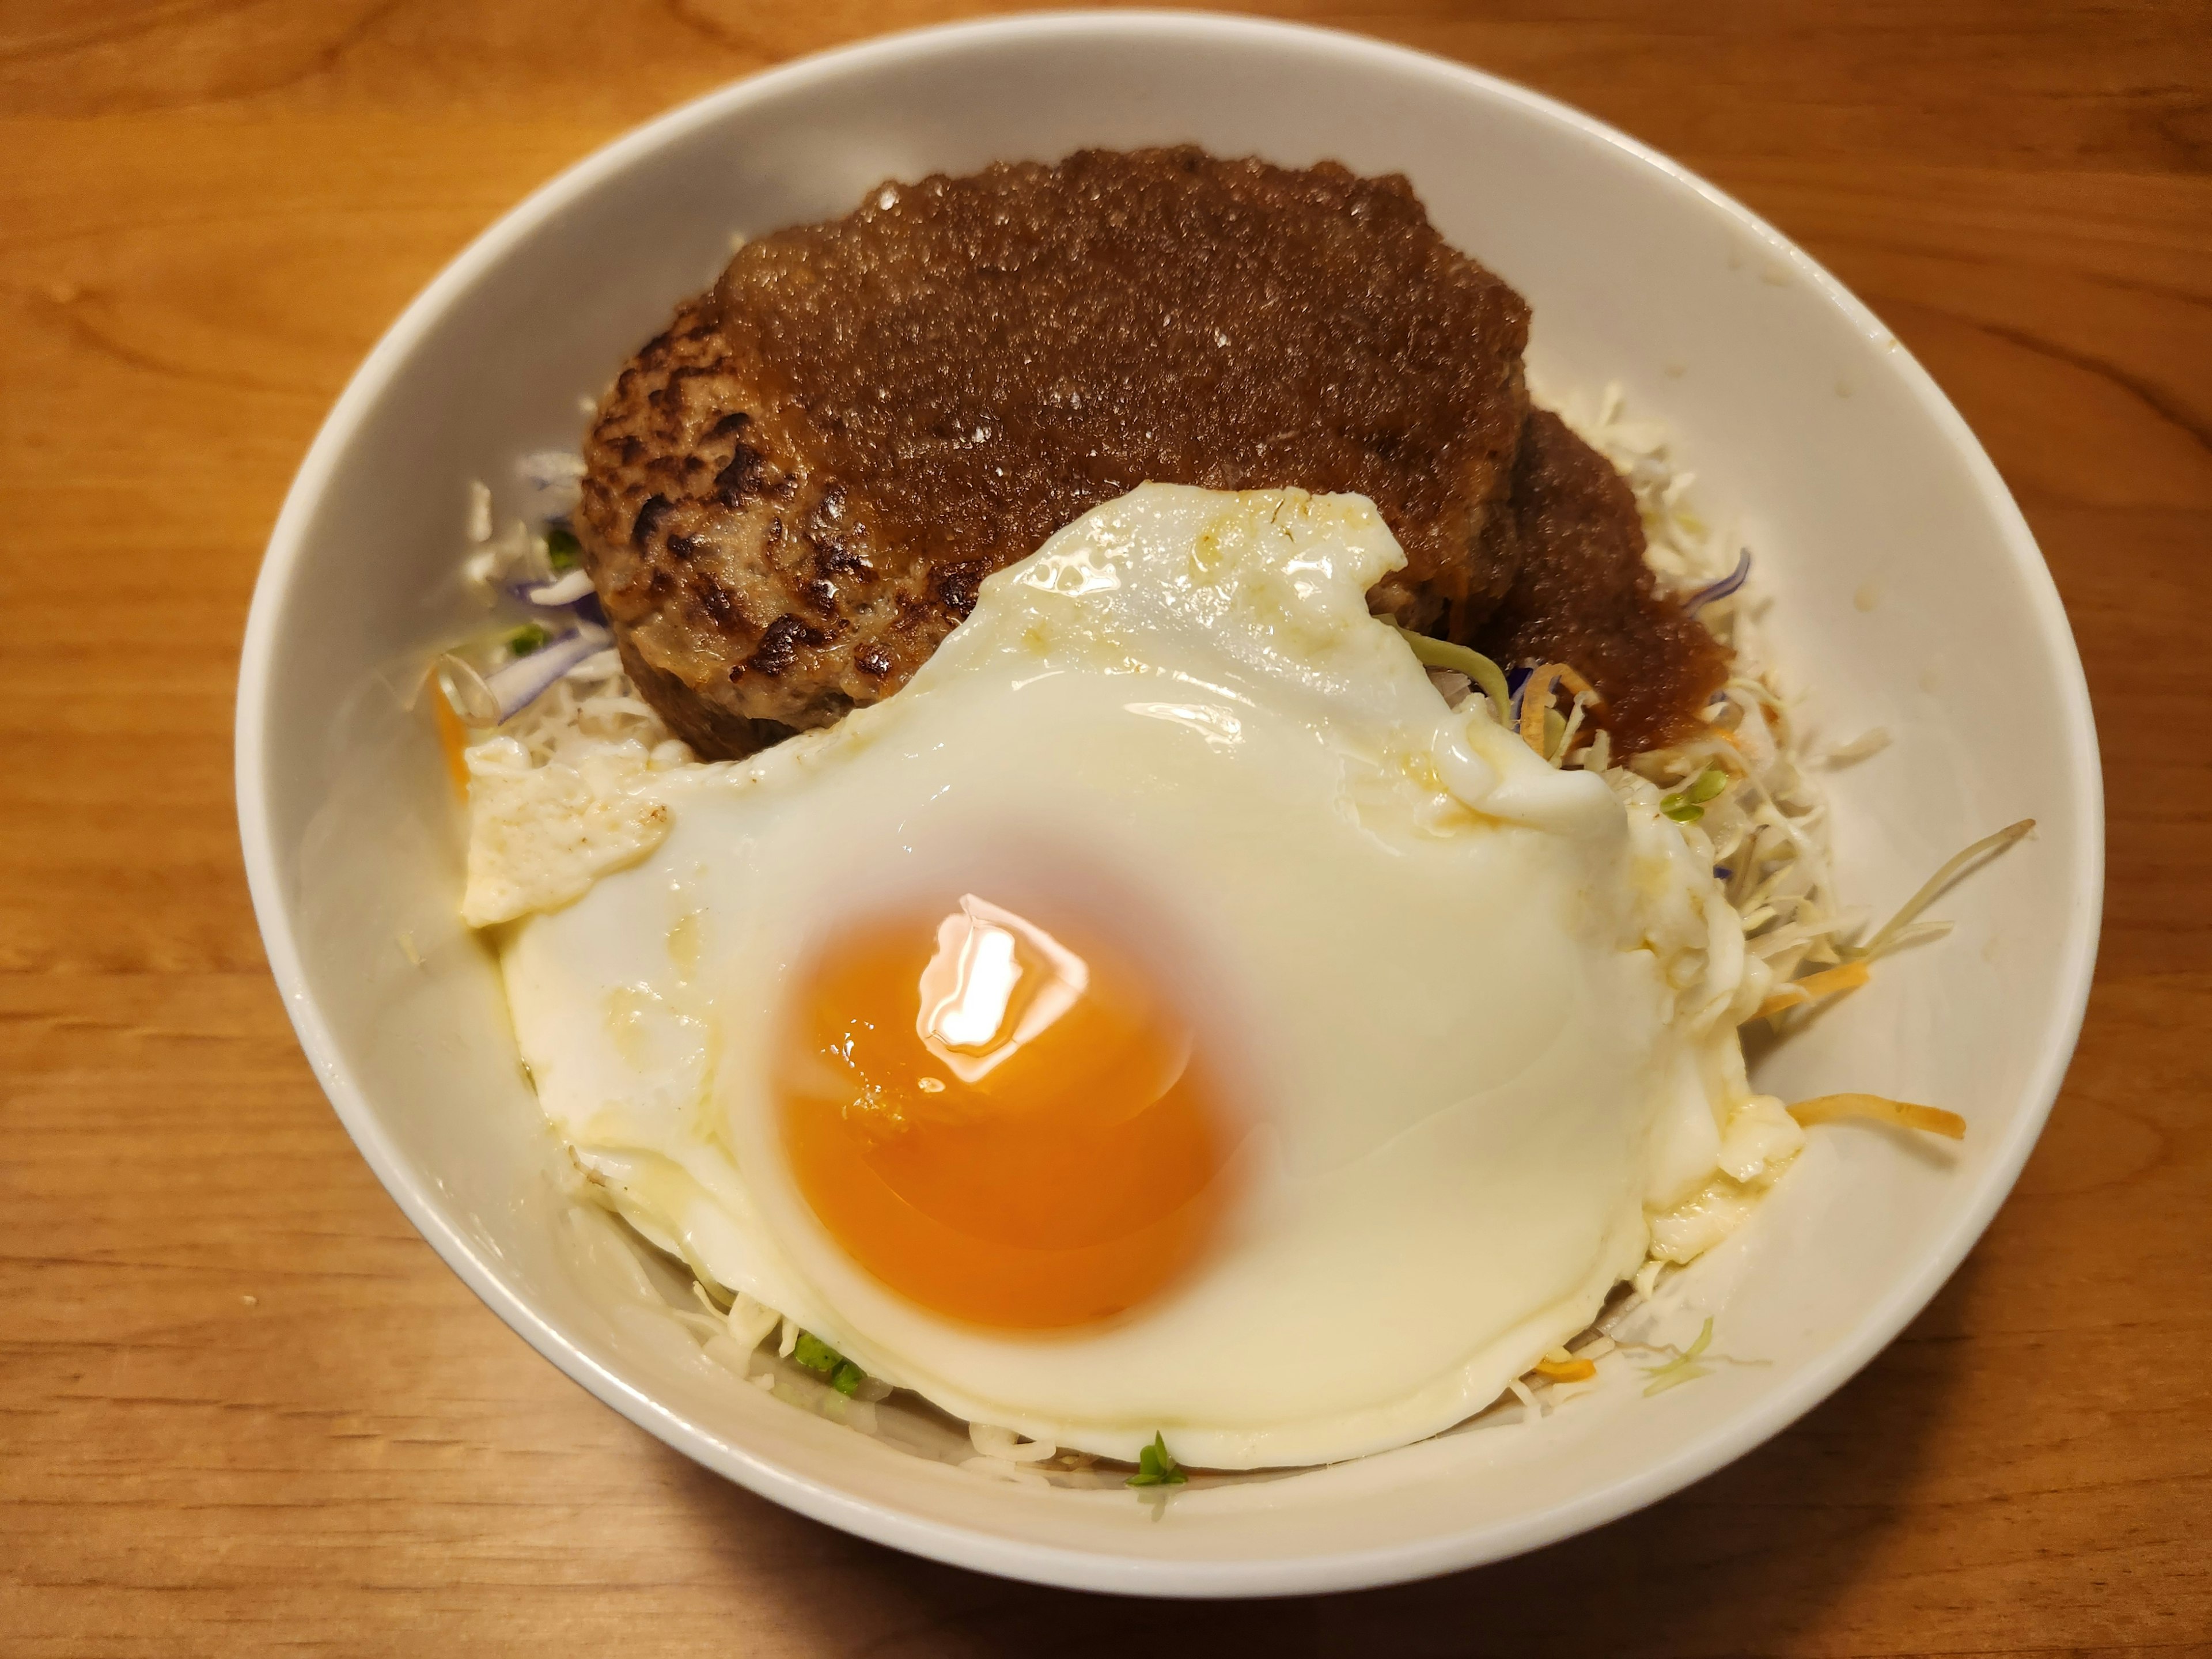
[{"x": 1165, "y": 1015}]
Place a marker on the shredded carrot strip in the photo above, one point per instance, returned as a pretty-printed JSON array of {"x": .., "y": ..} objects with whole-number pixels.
[
  {"x": 452, "y": 738},
  {"x": 1536, "y": 699},
  {"x": 1578, "y": 685},
  {"x": 1813, "y": 987},
  {"x": 1566, "y": 1371},
  {"x": 1903, "y": 1113}
]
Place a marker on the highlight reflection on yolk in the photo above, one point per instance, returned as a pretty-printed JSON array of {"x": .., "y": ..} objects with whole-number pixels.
[{"x": 1001, "y": 1127}]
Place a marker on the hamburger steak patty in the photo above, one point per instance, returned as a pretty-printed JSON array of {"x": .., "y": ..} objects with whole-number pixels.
[{"x": 792, "y": 493}]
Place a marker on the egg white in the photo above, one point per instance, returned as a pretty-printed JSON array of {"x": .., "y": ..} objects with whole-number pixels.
[{"x": 1484, "y": 1011}]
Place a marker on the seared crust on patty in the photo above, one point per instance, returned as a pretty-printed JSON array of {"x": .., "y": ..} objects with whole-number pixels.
[
  {"x": 736, "y": 575},
  {"x": 794, "y": 493}
]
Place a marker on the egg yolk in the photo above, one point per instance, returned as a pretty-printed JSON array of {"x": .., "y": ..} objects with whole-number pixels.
[{"x": 1008, "y": 1125}]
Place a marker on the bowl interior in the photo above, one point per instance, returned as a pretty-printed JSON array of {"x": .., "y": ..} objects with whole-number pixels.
[{"x": 1906, "y": 593}]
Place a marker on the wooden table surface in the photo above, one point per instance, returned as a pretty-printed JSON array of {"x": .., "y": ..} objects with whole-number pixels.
[{"x": 243, "y": 1406}]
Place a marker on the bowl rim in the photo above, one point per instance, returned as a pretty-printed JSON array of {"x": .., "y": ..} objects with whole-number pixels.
[{"x": 1026, "y": 1558}]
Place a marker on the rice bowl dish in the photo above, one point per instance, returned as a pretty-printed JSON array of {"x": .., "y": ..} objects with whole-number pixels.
[
  {"x": 1183, "y": 949},
  {"x": 768, "y": 1293},
  {"x": 631, "y": 1029}
]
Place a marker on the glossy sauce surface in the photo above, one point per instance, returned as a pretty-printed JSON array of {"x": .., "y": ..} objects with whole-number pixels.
[
  {"x": 987, "y": 357},
  {"x": 1585, "y": 597}
]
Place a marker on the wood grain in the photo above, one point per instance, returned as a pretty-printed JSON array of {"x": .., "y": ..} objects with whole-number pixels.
[{"x": 244, "y": 1408}]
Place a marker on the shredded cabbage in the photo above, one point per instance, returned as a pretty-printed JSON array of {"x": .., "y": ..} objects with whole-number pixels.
[
  {"x": 1442, "y": 654},
  {"x": 1743, "y": 783}
]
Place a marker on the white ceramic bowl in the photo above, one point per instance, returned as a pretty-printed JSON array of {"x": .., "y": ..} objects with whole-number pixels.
[{"x": 1907, "y": 592}]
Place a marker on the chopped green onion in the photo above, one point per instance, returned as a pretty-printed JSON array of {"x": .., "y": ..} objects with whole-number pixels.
[
  {"x": 1687, "y": 803},
  {"x": 527, "y": 639},
  {"x": 817, "y": 1355},
  {"x": 562, "y": 550},
  {"x": 1442, "y": 654},
  {"x": 1156, "y": 1466}
]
